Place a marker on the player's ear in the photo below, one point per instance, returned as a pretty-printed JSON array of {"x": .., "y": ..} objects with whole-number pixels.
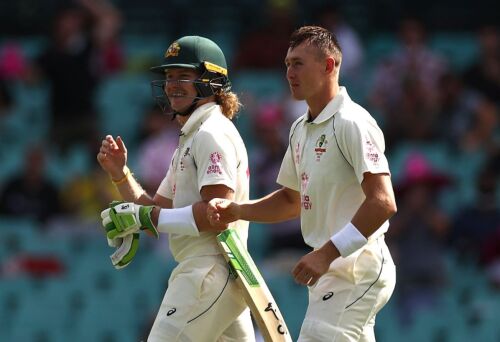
[{"x": 330, "y": 65}]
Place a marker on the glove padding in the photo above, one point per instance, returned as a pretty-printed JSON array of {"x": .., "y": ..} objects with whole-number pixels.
[
  {"x": 127, "y": 218},
  {"x": 108, "y": 226},
  {"x": 126, "y": 247},
  {"x": 126, "y": 251}
]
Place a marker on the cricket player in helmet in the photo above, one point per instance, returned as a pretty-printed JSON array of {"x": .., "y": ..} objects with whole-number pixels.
[
  {"x": 203, "y": 57},
  {"x": 202, "y": 301}
]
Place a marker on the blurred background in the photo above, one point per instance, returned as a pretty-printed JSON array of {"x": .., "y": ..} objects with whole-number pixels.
[{"x": 73, "y": 71}]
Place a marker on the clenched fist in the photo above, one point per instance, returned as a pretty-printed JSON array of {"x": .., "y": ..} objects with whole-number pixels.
[{"x": 223, "y": 211}]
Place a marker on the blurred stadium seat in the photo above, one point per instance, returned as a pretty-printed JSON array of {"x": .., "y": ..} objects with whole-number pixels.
[
  {"x": 459, "y": 49},
  {"x": 122, "y": 101},
  {"x": 259, "y": 84}
]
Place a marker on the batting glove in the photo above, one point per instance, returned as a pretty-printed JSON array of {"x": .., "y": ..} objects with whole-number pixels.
[
  {"x": 126, "y": 251},
  {"x": 108, "y": 225},
  {"x": 127, "y": 218},
  {"x": 126, "y": 247}
]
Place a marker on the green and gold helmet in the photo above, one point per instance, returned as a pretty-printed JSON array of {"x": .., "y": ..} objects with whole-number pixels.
[
  {"x": 193, "y": 52},
  {"x": 202, "y": 54}
]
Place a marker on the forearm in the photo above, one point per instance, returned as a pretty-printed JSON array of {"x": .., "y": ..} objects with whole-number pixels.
[
  {"x": 199, "y": 210},
  {"x": 354, "y": 235},
  {"x": 189, "y": 220},
  {"x": 130, "y": 189},
  {"x": 371, "y": 215},
  {"x": 192, "y": 219},
  {"x": 281, "y": 205},
  {"x": 379, "y": 205}
]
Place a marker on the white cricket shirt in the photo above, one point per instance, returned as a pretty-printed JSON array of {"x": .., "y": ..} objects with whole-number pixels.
[
  {"x": 210, "y": 152},
  {"x": 329, "y": 181}
]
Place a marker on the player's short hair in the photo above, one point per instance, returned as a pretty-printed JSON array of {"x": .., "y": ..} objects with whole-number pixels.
[{"x": 320, "y": 37}]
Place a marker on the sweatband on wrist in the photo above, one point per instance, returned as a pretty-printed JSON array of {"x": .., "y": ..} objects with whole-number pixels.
[
  {"x": 178, "y": 221},
  {"x": 124, "y": 178},
  {"x": 348, "y": 240}
]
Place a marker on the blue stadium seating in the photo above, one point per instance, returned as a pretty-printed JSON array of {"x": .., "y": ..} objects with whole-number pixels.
[{"x": 460, "y": 49}]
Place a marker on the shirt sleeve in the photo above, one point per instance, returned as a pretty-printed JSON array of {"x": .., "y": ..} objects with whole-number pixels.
[
  {"x": 288, "y": 173},
  {"x": 216, "y": 160},
  {"x": 363, "y": 145}
]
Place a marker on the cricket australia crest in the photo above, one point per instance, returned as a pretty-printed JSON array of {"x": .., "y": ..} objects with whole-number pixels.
[
  {"x": 173, "y": 50},
  {"x": 320, "y": 146}
]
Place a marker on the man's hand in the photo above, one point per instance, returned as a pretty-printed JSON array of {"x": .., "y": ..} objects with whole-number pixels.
[
  {"x": 112, "y": 156},
  {"x": 222, "y": 211},
  {"x": 127, "y": 218},
  {"x": 314, "y": 264}
]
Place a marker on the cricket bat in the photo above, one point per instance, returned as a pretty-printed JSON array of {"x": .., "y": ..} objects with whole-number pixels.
[{"x": 257, "y": 295}]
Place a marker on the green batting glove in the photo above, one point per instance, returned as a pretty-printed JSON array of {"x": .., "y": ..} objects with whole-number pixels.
[
  {"x": 108, "y": 225},
  {"x": 126, "y": 251},
  {"x": 126, "y": 247},
  {"x": 127, "y": 218}
]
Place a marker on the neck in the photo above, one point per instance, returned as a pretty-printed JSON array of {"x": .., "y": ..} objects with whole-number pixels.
[
  {"x": 318, "y": 102},
  {"x": 183, "y": 119}
]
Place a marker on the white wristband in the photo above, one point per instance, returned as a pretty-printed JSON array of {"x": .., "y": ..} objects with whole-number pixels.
[
  {"x": 178, "y": 221},
  {"x": 348, "y": 240}
]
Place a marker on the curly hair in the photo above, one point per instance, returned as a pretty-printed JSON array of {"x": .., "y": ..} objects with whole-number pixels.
[{"x": 229, "y": 102}]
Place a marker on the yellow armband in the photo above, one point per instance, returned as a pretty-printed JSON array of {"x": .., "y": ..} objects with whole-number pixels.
[{"x": 124, "y": 178}]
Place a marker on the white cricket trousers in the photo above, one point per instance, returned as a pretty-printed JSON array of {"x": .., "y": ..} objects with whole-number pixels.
[
  {"x": 202, "y": 304},
  {"x": 344, "y": 302}
]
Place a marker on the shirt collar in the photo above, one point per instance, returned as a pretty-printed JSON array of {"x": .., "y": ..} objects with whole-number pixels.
[
  {"x": 199, "y": 115},
  {"x": 332, "y": 107}
]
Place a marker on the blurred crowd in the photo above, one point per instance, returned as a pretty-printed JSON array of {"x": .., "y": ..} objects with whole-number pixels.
[{"x": 441, "y": 124}]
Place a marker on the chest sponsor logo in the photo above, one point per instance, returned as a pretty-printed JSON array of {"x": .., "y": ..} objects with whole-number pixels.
[
  {"x": 320, "y": 147},
  {"x": 305, "y": 200},
  {"x": 304, "y": 181},
  {"x": 214, "y": 167},
  {"x": 297, "y": 153}
]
